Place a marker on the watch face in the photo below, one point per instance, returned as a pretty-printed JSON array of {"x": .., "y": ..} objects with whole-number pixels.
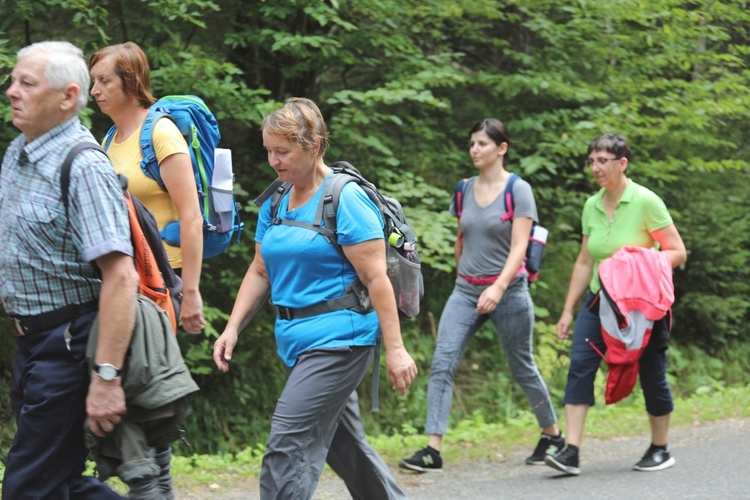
[{"x": 107, "y": 371}]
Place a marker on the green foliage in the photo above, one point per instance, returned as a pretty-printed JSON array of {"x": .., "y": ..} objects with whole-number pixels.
[
  {"x": 713, "y": 307},
  {"x": 693, "y": 371},
  {"x": 552, "y": 358},
  {"x": 7, "y": 417}
]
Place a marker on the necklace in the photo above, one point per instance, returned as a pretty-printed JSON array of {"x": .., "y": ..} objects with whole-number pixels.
[{"x": 296, "y": 202}]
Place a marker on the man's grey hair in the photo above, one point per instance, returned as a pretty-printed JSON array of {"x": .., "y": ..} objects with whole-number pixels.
[{"x": 65, "y": 65}]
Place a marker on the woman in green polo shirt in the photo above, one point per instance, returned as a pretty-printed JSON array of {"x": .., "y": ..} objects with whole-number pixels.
[{"x": 621, "y": 213}]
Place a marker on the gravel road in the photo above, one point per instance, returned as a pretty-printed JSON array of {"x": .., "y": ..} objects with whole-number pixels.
[{"x": 711, "y": 462}]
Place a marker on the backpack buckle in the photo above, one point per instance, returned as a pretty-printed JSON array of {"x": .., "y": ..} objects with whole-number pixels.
[{"x": 283, "y": 312}]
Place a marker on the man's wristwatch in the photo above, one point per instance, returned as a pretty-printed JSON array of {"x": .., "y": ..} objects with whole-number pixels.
[{"x": 107, "y": 371}]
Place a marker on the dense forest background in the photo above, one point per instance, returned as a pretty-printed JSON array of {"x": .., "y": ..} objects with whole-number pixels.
[{"x": 400, "y": 83}]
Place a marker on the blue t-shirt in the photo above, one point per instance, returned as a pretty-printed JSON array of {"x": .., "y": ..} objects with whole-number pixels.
[{"x": 304, "y": 269}]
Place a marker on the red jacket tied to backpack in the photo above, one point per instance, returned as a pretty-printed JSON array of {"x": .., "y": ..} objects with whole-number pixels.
[{"x": 637, "y": 290}]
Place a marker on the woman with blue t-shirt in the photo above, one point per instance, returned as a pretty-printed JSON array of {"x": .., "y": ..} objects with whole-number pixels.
[
  {"x": 327, "y": 354},
  {"x": 491, "y": 285},
  {"x": 622, "y": 213}
]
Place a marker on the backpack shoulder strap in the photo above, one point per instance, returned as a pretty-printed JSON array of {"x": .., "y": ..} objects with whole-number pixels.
[
  {"x": 276, "y": 191},
  {"x": 68, "y": 164},
  {"x": 109, "y": 137},
  {"x": 329, "y": 204},
  {"x": 150, "y": 164},
  {"x": 508, "y": 197},
  {"x": 458, "y": 196},
  {"x": 277, "y": 187},
  {"x": 150, "y": 256}
]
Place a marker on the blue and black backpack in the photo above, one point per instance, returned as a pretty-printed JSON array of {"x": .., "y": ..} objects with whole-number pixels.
[{"x": 220, "y": 210}]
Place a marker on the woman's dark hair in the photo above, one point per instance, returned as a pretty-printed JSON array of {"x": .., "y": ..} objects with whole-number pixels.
[
  {"x": 611, "y": 143},
  {"x": 131, "y": 65},
  {"x": 495, "y": 130}
]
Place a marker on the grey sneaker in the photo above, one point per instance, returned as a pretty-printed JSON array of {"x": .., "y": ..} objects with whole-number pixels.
[
  {"x": 655, "y": 459},
  {"x": 547, "y": 445},
  {"x": 565, "y": 461},
  {"x": 425, "y": 460}
]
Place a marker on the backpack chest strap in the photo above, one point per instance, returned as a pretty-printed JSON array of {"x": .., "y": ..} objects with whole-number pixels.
[{"x": 325, "y": 232}]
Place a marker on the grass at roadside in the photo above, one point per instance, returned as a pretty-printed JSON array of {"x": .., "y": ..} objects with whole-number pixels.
[{"x": 476, "y": 438}]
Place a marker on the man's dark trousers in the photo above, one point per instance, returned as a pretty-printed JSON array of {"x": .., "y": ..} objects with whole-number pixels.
[{"x": 49, "y": 387}]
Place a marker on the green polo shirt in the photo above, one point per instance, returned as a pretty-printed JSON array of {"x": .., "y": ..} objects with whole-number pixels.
[{"x": 639, "y": 213}]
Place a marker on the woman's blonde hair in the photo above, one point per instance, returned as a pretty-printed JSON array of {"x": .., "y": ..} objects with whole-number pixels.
[{"x": 301, "y": 121}]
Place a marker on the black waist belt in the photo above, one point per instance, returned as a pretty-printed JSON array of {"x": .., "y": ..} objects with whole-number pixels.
[
  {"x": 25, "y": 325},
  {"x": 346, "y": 301}
]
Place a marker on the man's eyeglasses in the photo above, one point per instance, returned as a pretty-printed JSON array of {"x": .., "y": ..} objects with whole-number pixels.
[{"x": 599, "y": 161}]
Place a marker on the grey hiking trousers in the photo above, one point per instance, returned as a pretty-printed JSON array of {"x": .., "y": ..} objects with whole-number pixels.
[
  {"x": 317, "y": 420},
  {"x": 514, "y": 321}
]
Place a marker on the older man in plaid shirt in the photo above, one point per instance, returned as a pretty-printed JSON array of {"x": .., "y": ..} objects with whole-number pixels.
[{"x": 58, "y": 267}]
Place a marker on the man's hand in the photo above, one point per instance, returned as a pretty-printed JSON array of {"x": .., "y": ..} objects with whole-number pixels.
[{"x": 105, "y": 405}]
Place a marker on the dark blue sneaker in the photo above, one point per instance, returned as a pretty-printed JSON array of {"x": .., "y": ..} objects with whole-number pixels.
[{"x": 425, "y": 460}]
